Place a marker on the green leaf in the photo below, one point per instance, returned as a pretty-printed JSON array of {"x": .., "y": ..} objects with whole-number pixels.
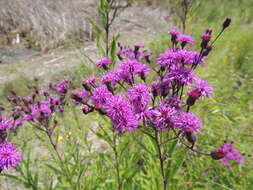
[
  {"x": 179, "y": 161},
  {"x": 56, "y": 170},
  {"x": 113, "y": 48}
]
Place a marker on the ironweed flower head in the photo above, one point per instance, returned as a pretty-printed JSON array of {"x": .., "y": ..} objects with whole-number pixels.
[
  {"x": 104, "y": 62},
  {"x": 62, "y": 87},
  {"x": 174, "y": 32},
  {"x": 5, "y": 123},
  {"x": 139, "y": 96},
  {"x": 201, "y": 86},
  {"x": 181, "y": 75},
  {"x": 226, "y": 154},
  {"x": 9, "y": 156},
  {"x": 100, "y": 96},
  {"x": 187, "y": 122},
  {"x": 121, "y": 113},
  {"x": 185, "y": 39}
]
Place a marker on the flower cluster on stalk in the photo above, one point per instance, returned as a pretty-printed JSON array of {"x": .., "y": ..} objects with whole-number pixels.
[
  {"x": 136, "y": 94},
  {"x": 37, "y": 109}
]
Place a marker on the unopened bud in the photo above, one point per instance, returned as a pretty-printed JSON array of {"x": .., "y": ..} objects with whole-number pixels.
[
  {"x": 86, "y": 86},
  {"x": 227, "y": 22},
  {"x": 191, "y": 137},
  {"x": 218, "y": 154},
  {"x": 193, "y": 96}
]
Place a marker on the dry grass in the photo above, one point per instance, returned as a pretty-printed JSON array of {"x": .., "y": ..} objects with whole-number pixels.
[{"x": 46, "y": 22}]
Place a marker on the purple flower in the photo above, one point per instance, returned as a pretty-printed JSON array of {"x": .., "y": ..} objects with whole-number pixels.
[
  {"x": 91, "y": 81},
  {"x": 187, "y": 122},
  {"x": 27, "y": 117},
  {"x": 174, "y": 32},
  {"x": 181, "y": 75},
  {"x": 27, "y": 100},
  {"x": 60, "y": 108},
  {"x": 103, "y": 62},
  {"x": 110, "y": 77},
  {"x": 185, "y": 39},
  {"x": 100, "y": 96},
  {"x": 62, "y": 87},
  {"x": 202, "y": 87},
  {"x": 128, "y": 69},
  {"x": 168, "y": 58},
  {"x": 121, "y": 114},
  {"x": 79, "y": 97},
  {"x": 128, "y": 53},
  {"x": 227, "y": 153},
  {"x": 231, "y": 154},
  {"x": 17, "y": 123},
  {"x": 41, "y": 110},
  {"x": 173, "y": 102},
  {"x": 139, "y": 96},
  {"x": 5, "y": 123},
  {"x": 9, "y": 156},
  {"x": 187, "y": 57}
]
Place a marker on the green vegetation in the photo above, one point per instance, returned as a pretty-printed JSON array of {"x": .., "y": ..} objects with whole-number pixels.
[{"x": 226, "y": 116}]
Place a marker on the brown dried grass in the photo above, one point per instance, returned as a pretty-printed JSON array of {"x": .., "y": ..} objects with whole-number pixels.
[{"x": 46, "y": 22}]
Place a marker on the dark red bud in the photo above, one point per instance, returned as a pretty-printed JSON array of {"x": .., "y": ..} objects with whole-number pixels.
[
  {"x": 227, "y": 22},
  {"x": 218, "y": 154}
]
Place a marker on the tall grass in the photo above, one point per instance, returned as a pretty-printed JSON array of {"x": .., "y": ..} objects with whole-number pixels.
[{"x": 46, "y": 22}]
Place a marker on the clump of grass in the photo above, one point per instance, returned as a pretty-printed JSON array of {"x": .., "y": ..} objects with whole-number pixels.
[
  {"x": 18, "y": 85},
  {"x": 45, "y": 23}
]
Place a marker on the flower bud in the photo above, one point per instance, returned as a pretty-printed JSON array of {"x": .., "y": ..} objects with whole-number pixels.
[
  {"x": 86, "y": 109},
  {"x": 226, "y": 23},
  {"x": 218, "y": 154},
  {"x": 193, "y": 96},
  {"x": 191, "y": 137},
  {"x": 86, "y": 86}
]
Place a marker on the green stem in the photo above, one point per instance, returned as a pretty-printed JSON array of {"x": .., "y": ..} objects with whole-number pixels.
[
  {"x": 64, "y": 169},
  {"x": 117, "y": 164},
  {"x": 161, "y": 160}
]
